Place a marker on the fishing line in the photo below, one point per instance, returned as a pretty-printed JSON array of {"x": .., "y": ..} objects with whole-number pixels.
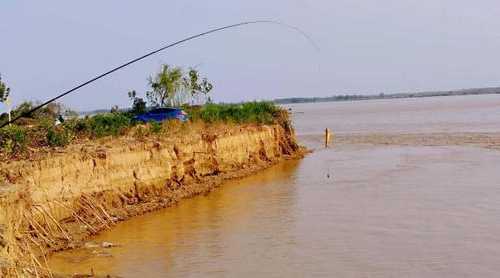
[{"x": 305, "y": 35}]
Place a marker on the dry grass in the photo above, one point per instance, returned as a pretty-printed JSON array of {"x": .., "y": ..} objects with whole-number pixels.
[{"x": 39, "y": 233}]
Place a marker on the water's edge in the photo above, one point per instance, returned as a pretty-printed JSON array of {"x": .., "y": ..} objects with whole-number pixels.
[{"x": 55, "y": 203}]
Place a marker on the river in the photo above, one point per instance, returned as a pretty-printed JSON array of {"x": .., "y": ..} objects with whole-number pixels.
[{"x": 352, "y": 210}]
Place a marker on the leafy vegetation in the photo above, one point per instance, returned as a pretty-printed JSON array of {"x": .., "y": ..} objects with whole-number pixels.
[
  {"x": 13, "y": 139},
  {"x": 138, "y": 104},
  {"x": 51, "y": 112},
  {"x": 198, "y": 90},
  {"x": 172, "y": 86},
  {"x": 59, "y": 136},
  {"x": 57, "y": 126},
  {"x": 249, "y": 112},
  {"x": 43, "y": 130},
  {"x": 165, "y": 86},
  {"x": 107, "y": 124},
  {"x": 4, "y": 91}
]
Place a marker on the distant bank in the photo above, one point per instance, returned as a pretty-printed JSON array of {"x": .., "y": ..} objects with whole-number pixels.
[{"x": 462, "y": 92}]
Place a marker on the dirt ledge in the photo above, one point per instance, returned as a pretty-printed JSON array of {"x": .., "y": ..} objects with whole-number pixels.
[{"x": 57, "y": 201}]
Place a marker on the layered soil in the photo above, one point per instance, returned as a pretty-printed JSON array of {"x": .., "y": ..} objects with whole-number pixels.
[{"x": 60, "y": 198}]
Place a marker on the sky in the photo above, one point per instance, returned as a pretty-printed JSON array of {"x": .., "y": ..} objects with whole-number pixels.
[{"x": 366, "y": 47}]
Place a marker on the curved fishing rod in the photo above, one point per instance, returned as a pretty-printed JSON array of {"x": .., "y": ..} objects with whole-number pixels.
[{"x": 156, "y": 51}]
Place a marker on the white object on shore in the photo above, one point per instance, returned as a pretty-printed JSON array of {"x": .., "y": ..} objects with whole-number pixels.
[{"x": 8, "y": 102}]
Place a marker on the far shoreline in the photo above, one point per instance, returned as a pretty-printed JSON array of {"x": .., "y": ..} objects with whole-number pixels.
[{"x": 382, "y": 96}]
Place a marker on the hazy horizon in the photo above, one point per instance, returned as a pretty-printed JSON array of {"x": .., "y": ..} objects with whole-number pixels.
[{"x": 366, "y": 47}]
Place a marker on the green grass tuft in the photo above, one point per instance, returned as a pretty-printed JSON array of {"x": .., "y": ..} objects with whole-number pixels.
[
  {"x": 107, "y": 124},
  {"x": 13, "y": 139},
  {"x": 249, "y": 112}
]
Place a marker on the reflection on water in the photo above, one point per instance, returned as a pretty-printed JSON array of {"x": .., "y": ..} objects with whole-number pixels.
[
  {"x": 204, "y": 235},
  {"x": 356, "y": 211}
]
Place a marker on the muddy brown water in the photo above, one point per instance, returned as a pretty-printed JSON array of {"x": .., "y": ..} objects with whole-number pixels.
[{"x": 349, "y": 211}]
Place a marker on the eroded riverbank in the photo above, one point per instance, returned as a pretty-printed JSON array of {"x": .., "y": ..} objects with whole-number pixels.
[
  {"x": 56, "y": 202},
  {"x": 407, "y": 190}
]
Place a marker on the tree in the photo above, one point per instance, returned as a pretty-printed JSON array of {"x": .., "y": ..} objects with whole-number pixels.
[
  {"x": 115, "y": 109},
  {"x": 138, "y": 104},
  {"x": 166, "y": 85},
  {"x": 195, "y": 88},
  {"x": 191, "y": 84},
  {"x": 4, "y": 91},
  {"x": 206, "y": 87},
  {"x": 51, "y": 112},
  {"x": 171, "y": 86},
  {"x": 4, "y": 97}
]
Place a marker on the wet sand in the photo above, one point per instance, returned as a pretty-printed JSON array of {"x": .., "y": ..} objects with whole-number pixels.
[{"x": 385, "y": 202}]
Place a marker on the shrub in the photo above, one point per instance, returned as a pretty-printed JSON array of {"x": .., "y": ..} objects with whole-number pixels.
[
  {"x": 79, "y": 126},
  {"x": 250, "y": 112},
  {"x": 108, "y": 124},
  {"x": 22, "y": 109},
  {"x": 138, "y": 104},
  {"x": 13, "y": 139},
  {"x": 59, "y": 136}
]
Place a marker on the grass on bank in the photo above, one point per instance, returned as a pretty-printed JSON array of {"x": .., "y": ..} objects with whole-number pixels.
[
  {"x": 249, "y": 112},
  {"x": 19, "y": 140}
]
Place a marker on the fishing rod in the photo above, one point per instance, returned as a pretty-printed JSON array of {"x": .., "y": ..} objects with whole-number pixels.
[{"x": 28, "y": 113}]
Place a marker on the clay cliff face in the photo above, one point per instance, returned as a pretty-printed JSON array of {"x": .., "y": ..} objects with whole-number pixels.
[{"x": 53, "y": 202}]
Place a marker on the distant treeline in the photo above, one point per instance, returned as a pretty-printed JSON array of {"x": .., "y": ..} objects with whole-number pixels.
[{"x": 463, "y": 92}]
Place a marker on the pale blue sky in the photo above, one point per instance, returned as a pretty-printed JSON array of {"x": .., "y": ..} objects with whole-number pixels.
[{"x": 366, "y": 46}]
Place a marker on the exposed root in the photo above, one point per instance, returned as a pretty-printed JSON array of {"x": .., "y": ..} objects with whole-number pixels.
[
  {"x": 54, "y": 221},
  {"x": 78, "y": 218}
]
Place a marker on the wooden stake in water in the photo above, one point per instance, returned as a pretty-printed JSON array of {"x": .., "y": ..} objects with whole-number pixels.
[{"x": 327, "y": 137}]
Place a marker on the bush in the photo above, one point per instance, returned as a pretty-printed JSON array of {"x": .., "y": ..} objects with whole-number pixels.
[
  {"x": 250, "y": 112},
  {"x": 59, "y": 136},
  {"x": 13, "y": 139},
  {"x": 79, "y": 126},
  {"x": 107, "y": 124}
]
